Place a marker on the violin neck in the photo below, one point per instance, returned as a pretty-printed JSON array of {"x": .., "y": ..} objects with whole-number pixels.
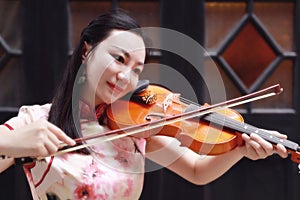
[{"x": 227, "y": 122}]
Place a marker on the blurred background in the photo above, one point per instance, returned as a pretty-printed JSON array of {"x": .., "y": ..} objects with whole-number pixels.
[{"x": 253, "y": 43}]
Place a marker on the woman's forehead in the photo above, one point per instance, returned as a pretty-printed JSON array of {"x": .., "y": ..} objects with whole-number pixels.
[{"x": 127, "y": 40}]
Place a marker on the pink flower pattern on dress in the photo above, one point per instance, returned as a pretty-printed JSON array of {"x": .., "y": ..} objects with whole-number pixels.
[
  {"x": 98, "y": 184},
  {"x": 84, "y": 192}
]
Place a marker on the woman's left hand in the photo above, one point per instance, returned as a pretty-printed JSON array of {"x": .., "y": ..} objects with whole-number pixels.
[{"x": 256, "y": 147}]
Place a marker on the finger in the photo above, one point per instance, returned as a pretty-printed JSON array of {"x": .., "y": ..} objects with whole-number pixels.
[
  {"x": 281, "y": 150},
  {"x": 251, "y": 140},
  {"x": 52, "y": 138},
  {"x": 254, "y": 148},
  {"x": 51, "y": 148},
  {"x": 261, "y": 145},
  {"x": 61, "y": 135},
  {"x": 246, "y": 137},
  {"x": 249, "y": 150},
  {"x": 39, "y": 150}
]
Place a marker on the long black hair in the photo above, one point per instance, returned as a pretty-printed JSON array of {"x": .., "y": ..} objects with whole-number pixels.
[{"x": 61, "y": 113}]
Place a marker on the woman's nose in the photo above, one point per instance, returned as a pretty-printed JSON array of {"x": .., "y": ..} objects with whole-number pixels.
[{"x": 123, "y": 76}]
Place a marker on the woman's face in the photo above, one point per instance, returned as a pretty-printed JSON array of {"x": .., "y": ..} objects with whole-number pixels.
[{"x": 113, "y": 67}]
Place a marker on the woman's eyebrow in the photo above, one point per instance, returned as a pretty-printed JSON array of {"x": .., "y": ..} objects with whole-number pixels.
[{"x": 123, "y": 51}]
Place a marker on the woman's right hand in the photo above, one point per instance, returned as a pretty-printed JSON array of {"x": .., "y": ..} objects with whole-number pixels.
[{"x": 38, "y": 139}]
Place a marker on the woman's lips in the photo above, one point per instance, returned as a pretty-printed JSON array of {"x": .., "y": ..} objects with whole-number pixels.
[{"x": 115, "y": 88}]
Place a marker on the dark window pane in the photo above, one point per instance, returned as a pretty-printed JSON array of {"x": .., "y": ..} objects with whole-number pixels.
[{"x": 249, "y": 54}]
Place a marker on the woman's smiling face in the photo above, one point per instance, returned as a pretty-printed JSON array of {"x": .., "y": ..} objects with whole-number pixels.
[{"x": 114, "y": 66}]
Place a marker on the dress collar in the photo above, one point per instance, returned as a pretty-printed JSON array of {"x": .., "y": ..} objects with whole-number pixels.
[{"x": 89, "y": 112}]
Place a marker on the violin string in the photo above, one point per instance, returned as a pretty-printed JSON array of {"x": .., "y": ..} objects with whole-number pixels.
[
  {"x": 196, "y": 113},
  {"x": 246, "y": 128},
  {"x": 217, "y": 118},
  {"x": 236, "y": 125}
]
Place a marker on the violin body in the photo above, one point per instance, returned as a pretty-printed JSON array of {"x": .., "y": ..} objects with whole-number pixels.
[{"x": 201, "y": 136}]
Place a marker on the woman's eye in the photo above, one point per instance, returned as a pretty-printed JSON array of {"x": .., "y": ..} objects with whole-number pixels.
[
  {"x": 138, "y": 71},
  {"x": 120, "y": 59}
]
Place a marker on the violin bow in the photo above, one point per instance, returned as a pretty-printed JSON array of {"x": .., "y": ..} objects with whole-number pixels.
[{"x": 135, "y": 129}]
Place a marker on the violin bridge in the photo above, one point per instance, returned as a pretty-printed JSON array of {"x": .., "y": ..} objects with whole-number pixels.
[{"x": 169, "y": 100}]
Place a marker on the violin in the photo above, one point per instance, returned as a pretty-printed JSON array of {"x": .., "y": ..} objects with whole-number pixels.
[
  {"x": 154, "y": 110},
  {"x": 208, "y": 130}
]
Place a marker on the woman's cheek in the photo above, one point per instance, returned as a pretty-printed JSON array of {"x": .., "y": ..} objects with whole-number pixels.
[{"x": 133, "y": 82}]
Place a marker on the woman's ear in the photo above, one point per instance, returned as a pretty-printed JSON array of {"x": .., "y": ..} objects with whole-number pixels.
[{"x": 85, "y": 50}]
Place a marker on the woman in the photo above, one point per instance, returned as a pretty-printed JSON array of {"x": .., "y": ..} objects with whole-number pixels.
[{"x": 104, "y": 67}]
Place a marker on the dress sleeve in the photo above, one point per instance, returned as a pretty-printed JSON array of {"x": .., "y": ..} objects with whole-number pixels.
[{"x": 29, "y": 114}]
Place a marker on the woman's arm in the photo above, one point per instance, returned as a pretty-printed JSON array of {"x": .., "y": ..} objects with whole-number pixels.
[
  {"x": 38, "y": 139},
  {"x": 204, "y": 169}
]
